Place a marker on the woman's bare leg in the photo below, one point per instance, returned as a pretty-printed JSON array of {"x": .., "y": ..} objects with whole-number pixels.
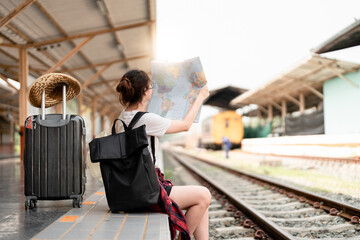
[
  {"x": 202, "y": 230},
  {"x": 196, "y": 200}
]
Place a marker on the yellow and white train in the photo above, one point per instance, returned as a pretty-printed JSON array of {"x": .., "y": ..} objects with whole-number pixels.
[{"x": 227, "y": 123}]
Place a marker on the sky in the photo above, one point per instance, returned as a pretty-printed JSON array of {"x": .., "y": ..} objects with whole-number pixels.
[{"x": 248, "y": 43}]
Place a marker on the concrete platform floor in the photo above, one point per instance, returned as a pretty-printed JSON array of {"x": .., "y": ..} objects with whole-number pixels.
[
  {"x": 40, "y": 222},
  {"x": 15, "y": 221}
]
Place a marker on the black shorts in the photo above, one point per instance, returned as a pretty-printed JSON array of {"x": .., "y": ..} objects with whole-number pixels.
[{"x": 168, "y": 189}]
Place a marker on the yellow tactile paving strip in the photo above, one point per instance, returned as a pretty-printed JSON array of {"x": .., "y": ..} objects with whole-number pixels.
[{"x": 68, "y": 219}]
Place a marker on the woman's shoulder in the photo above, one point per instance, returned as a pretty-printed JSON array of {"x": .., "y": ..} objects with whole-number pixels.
[
  {"x": 153, "y": 118},
  {"x": 152, "y": 115}
]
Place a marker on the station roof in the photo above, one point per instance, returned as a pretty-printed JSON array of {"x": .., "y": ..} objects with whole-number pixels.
[
  {"x": 98, "y": 41},
  {"x": 348, "y": 37},
  {"x": 221, "y": 97},
  {"x": 306, "y": 77}
]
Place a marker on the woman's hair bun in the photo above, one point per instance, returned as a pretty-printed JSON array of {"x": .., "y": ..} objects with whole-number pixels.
[
  {"x": 126, "y": 90},
  {"x": 132, "y": 87}
]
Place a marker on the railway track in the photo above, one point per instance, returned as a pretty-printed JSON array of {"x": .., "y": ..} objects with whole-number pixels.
[{"x": 274, "y": 210}]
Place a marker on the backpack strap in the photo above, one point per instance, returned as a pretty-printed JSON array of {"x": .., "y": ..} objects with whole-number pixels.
[
  {"x": 152, "y": 138},
  {"x": 113, "y": 126},
  {"x": 136, "y": 118}
]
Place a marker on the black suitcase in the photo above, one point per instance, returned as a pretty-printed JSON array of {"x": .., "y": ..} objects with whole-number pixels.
[{"x": 54, "y": 158}]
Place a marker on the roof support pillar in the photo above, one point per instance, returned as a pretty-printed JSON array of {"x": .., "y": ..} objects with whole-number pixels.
[
  {"x": 152, "y": 28},
  {"x": 283, "y": 114},
  {"x": 12, "y": 131},
  {"x": 23, "y": 107},
  {"x": 283, "y": 109},
  {"x": 270, "y": 112},
  {"x": 23, "y": 76},
  {"x": 93, "y": 117},
  {"x": 69, "y": 55},
  {"x": 302, "y": 103},
  {"x": 80, "y": 99},
  {"x": 103, "y": 119}
]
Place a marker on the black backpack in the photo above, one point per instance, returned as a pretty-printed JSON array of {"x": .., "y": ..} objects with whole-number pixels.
[{"x": 126, "y": 166}]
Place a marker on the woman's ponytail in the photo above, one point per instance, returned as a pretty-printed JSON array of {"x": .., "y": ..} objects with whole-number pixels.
[{"x": 132, "y": 87}]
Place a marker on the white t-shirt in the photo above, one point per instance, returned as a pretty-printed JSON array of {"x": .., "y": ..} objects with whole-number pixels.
[{"x": 155, "y": 126}]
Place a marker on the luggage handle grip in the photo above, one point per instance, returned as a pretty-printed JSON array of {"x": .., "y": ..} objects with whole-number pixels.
[{"x": 63, "y": 103}]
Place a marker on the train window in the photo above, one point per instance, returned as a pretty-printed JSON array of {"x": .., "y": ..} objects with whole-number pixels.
[{"x": 226, "y": 123}]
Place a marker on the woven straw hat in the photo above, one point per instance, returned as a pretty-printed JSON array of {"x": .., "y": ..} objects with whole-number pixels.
[{"x": 52, "y": 83}]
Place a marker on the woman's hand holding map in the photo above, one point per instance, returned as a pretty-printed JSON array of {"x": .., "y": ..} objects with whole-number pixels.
[{"x": 204, "y": 92}]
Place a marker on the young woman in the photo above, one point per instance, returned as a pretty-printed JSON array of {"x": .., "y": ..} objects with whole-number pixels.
[{"x": 135, "y": 92}]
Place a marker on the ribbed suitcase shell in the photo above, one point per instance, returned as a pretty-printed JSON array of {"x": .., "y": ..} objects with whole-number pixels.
[{"x": 54, "y": 158}]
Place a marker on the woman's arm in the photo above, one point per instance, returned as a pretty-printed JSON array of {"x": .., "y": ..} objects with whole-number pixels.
[{"x": 185, "y": 124}]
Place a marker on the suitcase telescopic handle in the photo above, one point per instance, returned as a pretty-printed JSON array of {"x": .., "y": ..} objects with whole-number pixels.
[{"x": 63, "y": 103}]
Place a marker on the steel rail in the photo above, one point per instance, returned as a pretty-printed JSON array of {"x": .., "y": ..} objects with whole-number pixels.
[
  {"x": 342, "y": 209},
  {"x": 272, "y": 229}
]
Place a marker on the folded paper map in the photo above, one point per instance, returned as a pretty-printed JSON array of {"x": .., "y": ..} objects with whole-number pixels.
[{"x": 175, "y": 87}]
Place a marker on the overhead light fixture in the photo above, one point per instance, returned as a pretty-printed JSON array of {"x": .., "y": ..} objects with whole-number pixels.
[{"x": 102, "y": 6}]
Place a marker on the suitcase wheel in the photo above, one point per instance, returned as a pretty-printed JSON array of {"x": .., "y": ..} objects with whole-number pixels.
[
  {"x": 77, "y": 202},
  {"x": 30, "y": 204}
]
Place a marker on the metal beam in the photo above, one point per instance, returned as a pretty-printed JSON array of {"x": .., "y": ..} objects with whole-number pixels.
[
  {"x": 261, "y": 108},
  {"x": 313, "y": 90},
  {"x": 108, "y": 107},
  {"x": 88, "y": 34},
  {"x": 112, "y": 88},
  {"x": 340, "y": 75},
  {"x": 69, "y": 55},
  {"x": 276, "y": 105},
  {"x": 95, "y": 76},
  {"x": 3, "y": 65},
  {"x": 118, "y": 43},
  {"x": 106, "y": 81},
  {"x": 6, "y": 95},
  {"x": 15, "y": 12},
  {"x": 106, "y": 63},
  {"x": 7, "y": 82},
  {"x": 26, "y": 38},
  {"x": 292, "y": 99},
  {"x": 53, "y": 21}
]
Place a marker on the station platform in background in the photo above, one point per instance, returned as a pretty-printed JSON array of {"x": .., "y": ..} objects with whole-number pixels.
[
  {"x": 58, "y": 220},
  {"x": 322, "y": 145}
]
